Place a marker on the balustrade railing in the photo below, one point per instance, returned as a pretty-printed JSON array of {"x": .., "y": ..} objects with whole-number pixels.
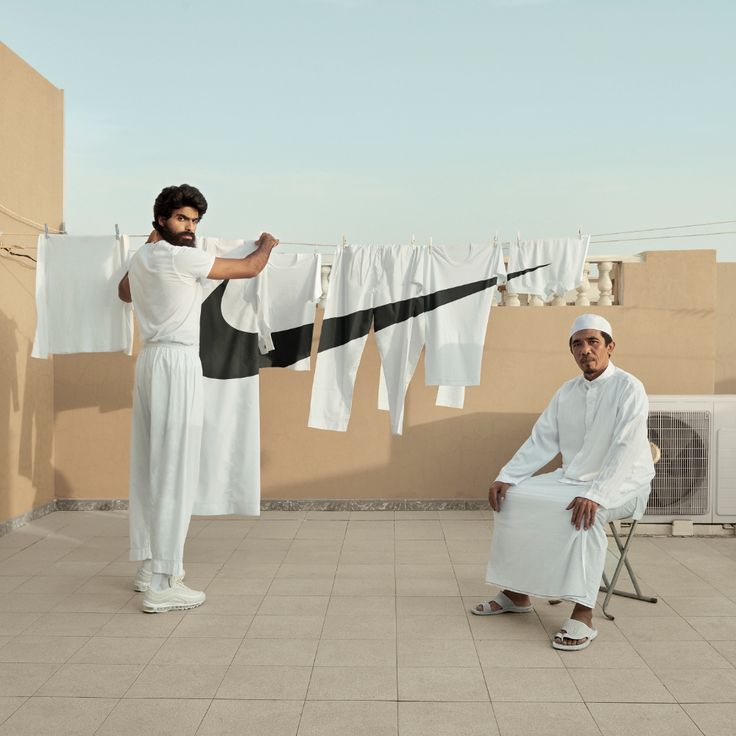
[{"x": 601, "y": 286}]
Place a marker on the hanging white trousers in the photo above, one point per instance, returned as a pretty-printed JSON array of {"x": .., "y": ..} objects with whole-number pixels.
[
  {"x": 165, "y": 453},
  {"x": 369, "y": 286},
  {"x": 535, "y": 548}
]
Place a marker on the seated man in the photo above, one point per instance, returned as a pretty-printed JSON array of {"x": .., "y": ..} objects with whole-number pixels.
[{"x": 598, "y": 422}]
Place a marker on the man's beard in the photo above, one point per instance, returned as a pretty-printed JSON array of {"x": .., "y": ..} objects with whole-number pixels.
[{"x": 186, "y": 239}]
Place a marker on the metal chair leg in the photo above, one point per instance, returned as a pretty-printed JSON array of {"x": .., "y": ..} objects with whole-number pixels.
[{"x": 610, "y": 588}]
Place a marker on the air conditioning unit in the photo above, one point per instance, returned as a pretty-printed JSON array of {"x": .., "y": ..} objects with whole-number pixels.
[{"x": 696, "y": 475}]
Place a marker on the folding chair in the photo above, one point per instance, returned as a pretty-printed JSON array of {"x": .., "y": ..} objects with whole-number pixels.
[{"x": 609, "y": 588}]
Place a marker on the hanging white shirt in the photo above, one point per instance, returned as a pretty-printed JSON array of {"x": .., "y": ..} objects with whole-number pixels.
[
  {"x": 546, "y": 267},
  {"x": 77, "y": 305},
  {"x": 600, "y": 428}
]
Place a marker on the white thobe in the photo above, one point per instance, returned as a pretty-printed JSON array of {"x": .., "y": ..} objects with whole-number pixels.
[{"x": 600, "y": 429}]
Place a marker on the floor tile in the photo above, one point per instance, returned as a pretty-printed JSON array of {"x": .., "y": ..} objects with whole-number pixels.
[
  {"x": 427, "y": 586},
  {"x": 178, "y": 681},
  {"x": 24, "y": 678},
  {"x": 356, "y": 718},
  {"x": 8, "y": 706},
  {"x": 256, "y": 586},
  {"x": 702, "y": 606},
  {"x": 68, "y": 624},
  {"x": 310, "y": 587},
  {"x": 213, "y": 625},
  {"x": 507, "y": 627},
  {"x": 726, "y": 649},
  {"x": 434, "y": 627},
  {"x": 286, "y": 627},
  {"x": 700, "y": 686},
  {"x": 117, "y": 650},
  {"x": 193, "y": 650},
  {"x": 545, "y": 719},
  {"x": 163, "y": 717},
  {"x": 48, "y": 649},
  {"x": 714, "y": 628},
  {"x": 519, "y": 653},
  {"x": 416, "y": 606},
  {"x": 652, "y": 719},
  {"x": 454, "y": 684},
  {"x": 358, "y": 605},
  {"x": 284, "y": 605},
  {"x": 139, "y": 624},
  {"x": 263, "y": 718},
  {"x": 543, "y": 685},
  {"x": 651, "y": 628},
  {"x": 352, "y": 683},
  {"x": 58, "y": 716},
  {"x": 414, "y": 652},
  {"x": 91, "y": 680},
  {"x": 29, "y": 602},
  {"x": 364, "y": 587},
  {"x": 356, "y": 653},
  {"x": 12, "y": 624},
  {"x": 277, "y": 652},
  {"x": 713, "y": 719},
  {"x": 245, "y": 682},
  {"x": 440, "y": 719},
  {"x": 359, "y": 627},
  {"x": 604, "y": 654},
  {"x": 418, "y": 530},
  {"x": 690, "y": 655},
  {"x": 228, "y": 605},
  {"x": 620, "y": 686}
]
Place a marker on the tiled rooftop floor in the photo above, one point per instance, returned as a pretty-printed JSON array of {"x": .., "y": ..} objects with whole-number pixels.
[{"x": 349, "y": 623}]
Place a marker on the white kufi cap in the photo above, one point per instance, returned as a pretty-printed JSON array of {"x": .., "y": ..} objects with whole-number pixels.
[{"x": 591, "y": 322}]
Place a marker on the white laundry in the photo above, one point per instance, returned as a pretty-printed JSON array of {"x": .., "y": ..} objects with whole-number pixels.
[
  {"x": 76, "y": 285},
  {"x": 600, "y": 429},
  {"x": 166, "y": 286},
  {"x": 279, "y": 305},
  {"x": 546, "y": 267},
  {"x": 369, "y": 286},
  {"x": 460, "y": 282}
]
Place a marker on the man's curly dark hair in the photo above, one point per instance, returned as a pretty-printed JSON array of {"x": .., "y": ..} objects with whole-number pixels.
[{"x": 173, "y": 198}]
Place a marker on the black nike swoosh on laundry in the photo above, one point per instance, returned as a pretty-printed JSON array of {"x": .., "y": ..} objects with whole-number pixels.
[
  {"x": 337, "y": 331},
  {"x": 227, "y": 352}
]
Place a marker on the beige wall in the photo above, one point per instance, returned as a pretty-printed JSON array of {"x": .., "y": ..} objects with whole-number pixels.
[
  {"x": 665, "y": 334},
  {"x": 31, "y": 181},
  {"x": 726, "y": 330}
]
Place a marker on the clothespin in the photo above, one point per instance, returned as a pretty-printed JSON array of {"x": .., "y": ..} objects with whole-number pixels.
[
  {"x": 46, "y": 230},
  {"x": 580, "y": 232},
  {"x": 413, "y": 239},
  {"x": 430, "y": 242},
  {"x": 494, "y": 240},
  {"x": 518, "y": 237},
  {"x": 344, "y": 240},
  {"x": 117, "y": 231}
]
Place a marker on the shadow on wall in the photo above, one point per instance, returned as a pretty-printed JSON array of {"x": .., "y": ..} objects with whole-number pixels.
[
  {"x": 36, "y": 429},
  {"x": 103, "y": 380},
  {"x": 443, "y": 459},
  {"x": 9, "y": 403}
]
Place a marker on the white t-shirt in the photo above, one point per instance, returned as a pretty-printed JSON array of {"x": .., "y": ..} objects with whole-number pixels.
[{"x": 166, "y": 286}]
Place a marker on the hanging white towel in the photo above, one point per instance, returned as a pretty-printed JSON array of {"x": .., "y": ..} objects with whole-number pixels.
[
  {"x": 77, "y": 304},
  {"x": 546, "y": 267}
]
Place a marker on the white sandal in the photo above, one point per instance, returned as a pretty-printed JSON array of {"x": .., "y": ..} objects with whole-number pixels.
[
  {"x": 573, "y": 629},
  {"x": 507, "y": 606}
]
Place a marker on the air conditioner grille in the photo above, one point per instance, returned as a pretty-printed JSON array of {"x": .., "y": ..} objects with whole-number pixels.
[{"x": 680, "y": 484}]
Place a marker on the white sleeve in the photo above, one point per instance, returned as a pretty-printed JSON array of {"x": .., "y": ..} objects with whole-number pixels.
[
  {"x": 629, "y": 433},
  {"x": 541, "y": 447}
]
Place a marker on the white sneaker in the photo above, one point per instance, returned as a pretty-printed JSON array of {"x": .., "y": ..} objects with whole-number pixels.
[
  {"x": 176, "y": 597},
  {"x": 142, "y": 580}
]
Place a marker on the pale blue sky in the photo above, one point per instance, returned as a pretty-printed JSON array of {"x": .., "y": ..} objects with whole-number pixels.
[{"x": 381, "y": 119}]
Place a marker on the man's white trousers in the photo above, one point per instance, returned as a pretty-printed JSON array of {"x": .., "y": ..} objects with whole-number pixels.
[
  {"x": 535, "y": 548},
  {"x": 165, "y": 453}
]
